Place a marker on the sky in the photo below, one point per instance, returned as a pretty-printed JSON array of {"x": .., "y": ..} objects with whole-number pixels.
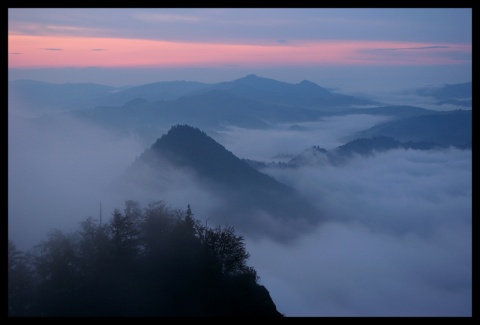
[{"x": 361, "y": 49}]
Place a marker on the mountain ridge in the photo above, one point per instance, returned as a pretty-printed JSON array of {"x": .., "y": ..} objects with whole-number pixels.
[
  {"x": 364, "y": 146},
  {"x": 89, "y": 95},
  {"x": 449, "y": 128},
  {"x": 252, "y": 200}
]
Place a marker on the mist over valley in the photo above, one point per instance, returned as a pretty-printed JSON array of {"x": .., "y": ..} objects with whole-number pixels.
[{"x": 349, "y": 205}]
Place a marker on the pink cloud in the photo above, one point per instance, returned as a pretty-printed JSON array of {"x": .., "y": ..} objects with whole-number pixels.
[{"x": 117, "y": 52}]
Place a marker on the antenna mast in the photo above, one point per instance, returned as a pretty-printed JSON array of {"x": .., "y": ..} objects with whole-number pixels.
[{"x": 100, "y": 214}]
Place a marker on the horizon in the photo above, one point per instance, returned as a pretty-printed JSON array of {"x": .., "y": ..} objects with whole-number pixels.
[
  {"x": 354, "y": 50},
  {"x": 384, "y": 94}
]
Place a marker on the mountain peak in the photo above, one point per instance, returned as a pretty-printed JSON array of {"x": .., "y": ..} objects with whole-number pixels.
[
  {"x": 184, "y": 145},
  {"x": 253, "y": 81},
  {"x": 253, "y": 78},
  {"x": 181, "y": 132},
  {"x": 247, "y": 195},
  {"x": 306, "y": 82},
  {"x": 183, "y": 128},
  {"x": 308, "y": 86}
]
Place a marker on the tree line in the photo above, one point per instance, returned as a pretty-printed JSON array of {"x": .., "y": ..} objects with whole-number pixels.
[{"x": 154, "y": 261}]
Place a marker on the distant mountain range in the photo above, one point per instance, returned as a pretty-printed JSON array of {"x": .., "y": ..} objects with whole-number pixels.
[
  {"x": 433, "y": 130},
  {"x": 438, "y": 130},
  {"x": 149, "y": 110},
  {"x": 305, "y": 94},
  {"x": 449, "y": 128},
  {"x": 42, "y": 96},
  {"x": 445, "y": 92},
  {"x": 251, "y": 200},
  {"x": 249, "y": 102},
  {"x": 456, "y": 94},
  {"x": 36, "y": 98},
  {"x": 317, "y": 156},
  {"x": 360, "y": 147}
]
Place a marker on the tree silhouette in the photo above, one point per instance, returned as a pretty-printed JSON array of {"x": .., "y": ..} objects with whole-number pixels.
[
  {"x": 20, "y": 282},
  {"x": 143, "y": 262}
]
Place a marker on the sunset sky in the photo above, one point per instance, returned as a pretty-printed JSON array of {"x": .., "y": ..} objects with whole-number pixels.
[{"x": 124, "y": 46}]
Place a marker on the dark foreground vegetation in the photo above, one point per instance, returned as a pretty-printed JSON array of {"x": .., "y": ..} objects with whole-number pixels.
[{"x": 141, "y": 262}]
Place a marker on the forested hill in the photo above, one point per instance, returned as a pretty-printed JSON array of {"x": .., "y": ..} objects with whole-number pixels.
[
  {"x": 141, "y": 262},
  {"x": 246, "y": 195},
  {"x": 185, "y": 145}
]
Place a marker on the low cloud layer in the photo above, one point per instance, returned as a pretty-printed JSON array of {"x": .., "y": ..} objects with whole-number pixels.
[
  {"x": 401, "y": 244},
  {"x": 397, "y": 241},
  {"x": 328, "y": 133},
  {"x": 58, "y": 175}
]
